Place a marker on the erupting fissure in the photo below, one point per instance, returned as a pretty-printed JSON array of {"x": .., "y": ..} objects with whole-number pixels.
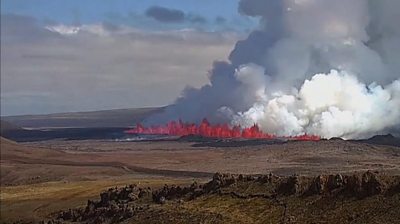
[
  {"x": 330, "y": 68},
  {"x": 205, "y": 129}
]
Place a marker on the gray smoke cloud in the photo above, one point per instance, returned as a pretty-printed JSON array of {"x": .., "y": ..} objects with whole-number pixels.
[
  {"x": 166, "y": 15},
  {"x": 313, "y": 66}
]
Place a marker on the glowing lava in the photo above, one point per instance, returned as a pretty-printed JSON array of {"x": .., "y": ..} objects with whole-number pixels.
[{"x": 205, "y": 129}]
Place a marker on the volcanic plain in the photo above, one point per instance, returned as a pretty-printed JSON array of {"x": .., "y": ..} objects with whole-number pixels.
[{"x": 40, "y": 179}]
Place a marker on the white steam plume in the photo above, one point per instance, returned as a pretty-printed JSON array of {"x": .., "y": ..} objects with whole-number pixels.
[
  {"x": 330, "y": 105},
  {"x": 322, "y": 67}
]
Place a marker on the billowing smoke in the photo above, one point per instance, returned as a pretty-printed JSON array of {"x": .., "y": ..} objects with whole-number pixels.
[{"x": 321, "y": 67}]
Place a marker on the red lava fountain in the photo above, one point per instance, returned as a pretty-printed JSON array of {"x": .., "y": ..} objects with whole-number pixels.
[{"x": 205, "y": 129}]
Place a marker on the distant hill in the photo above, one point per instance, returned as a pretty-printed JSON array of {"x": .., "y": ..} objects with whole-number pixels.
[
  {"x": 388, "y": 139},
  {"x": 384, "y": 140},
  {"x": 92, "y": 119}
]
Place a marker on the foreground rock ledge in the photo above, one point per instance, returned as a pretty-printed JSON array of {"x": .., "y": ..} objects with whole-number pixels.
[{"x": 132, "y": 204}]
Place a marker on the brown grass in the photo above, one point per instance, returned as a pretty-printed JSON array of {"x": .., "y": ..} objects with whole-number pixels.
[{"x": 36, "y": 202}]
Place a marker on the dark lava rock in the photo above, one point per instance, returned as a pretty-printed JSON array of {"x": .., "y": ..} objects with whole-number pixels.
[
  {"x": 114, "y": 206},
  {"x": 289, "y": 186},
  {"x": 335, "y": 182},
  {"x": 318, "y": 185},
  {"x": 371, "y": 184}
]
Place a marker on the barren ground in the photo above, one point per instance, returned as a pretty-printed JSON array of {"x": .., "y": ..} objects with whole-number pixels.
[{"x": 40, "y": 178}]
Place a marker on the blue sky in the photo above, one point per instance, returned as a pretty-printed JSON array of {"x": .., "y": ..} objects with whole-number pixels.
[{"x": 130, "y": 12}]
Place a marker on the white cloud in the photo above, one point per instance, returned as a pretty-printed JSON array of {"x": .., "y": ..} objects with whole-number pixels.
[{"x": 64, "y": 29}]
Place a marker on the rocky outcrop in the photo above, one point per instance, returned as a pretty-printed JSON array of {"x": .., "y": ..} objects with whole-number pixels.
[
  {"x": 118, "y": 204},
  {"x": 367, "y": 184},
  {"x": 357, "y": 185},
  {"x": 114, "y": 206},
  {"x": 126, "y": 194}
]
